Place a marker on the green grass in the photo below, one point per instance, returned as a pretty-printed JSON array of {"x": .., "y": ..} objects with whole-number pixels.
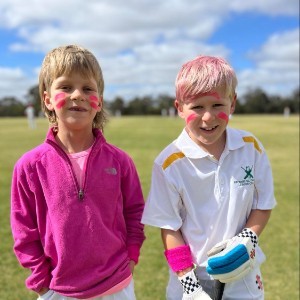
[{"x": 143, "y": 138}]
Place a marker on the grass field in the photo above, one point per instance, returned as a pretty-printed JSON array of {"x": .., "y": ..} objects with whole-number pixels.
[{"x": 143, "y": 138}]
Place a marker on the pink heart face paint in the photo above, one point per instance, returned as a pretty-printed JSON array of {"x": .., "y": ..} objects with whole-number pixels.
[
  {"x": 223, "y": 116},
  {"x": 94, "y": 101},
  {"x": 190, "y": 118},
  {"x": 60, "y": 100}
]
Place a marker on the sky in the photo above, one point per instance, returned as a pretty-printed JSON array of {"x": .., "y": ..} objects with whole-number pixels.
[{"x": 141, "y": 44}]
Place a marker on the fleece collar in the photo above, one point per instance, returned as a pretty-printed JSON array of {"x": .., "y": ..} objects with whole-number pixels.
[{"x": 99, "y": 138}]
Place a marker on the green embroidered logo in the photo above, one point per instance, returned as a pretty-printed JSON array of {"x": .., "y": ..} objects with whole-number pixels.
[
  {"x": 248, "y": 172},
  {"x": 248, "y": 178}
]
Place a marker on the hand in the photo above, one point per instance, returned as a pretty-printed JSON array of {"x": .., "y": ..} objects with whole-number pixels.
[
  {"x": 131, "y": 266},
  {"x": 43, "y": 291},
  {"x": 232, "y": 259},
  {"x": 45, "y": 294},
  {"x": 192, "y": 290}
]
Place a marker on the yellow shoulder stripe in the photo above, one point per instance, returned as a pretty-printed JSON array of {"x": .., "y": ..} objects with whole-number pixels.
[
  {"x": 251, "y": 139},
  {"x": 172, "y": 158}
]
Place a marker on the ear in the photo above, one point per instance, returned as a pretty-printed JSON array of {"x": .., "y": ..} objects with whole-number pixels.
[
  {"x": 233, "y": 103},
  {"x": 47, "y": 101},
  {"x": 100, "y": 104},
  {"x": 178, "y": 106}
]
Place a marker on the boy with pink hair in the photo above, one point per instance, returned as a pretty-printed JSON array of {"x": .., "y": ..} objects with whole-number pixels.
[{"x": 211, "y": 192}]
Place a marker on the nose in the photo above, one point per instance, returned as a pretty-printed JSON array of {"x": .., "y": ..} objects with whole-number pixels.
[
  {"x": 76, "y": 95},
  {"x": 207, "y": 116}
]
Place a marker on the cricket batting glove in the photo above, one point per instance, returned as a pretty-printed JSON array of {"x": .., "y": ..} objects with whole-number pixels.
[
  {"x": 192, "y": 290},
  {"x": 232, "y": 259}
]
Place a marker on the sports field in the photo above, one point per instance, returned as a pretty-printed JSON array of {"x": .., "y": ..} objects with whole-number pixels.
[{"x": 143, "y": 138}]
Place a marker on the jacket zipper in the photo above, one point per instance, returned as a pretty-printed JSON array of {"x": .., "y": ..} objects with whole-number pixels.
[
  {"x": 81, "y": 194},
  {"x": 79, "y": 189}
]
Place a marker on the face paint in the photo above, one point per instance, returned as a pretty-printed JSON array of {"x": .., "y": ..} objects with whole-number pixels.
[
  {"x": 190, "y": 118},
  {"x": 213, "y": 94},
  {"x": 60, "y": 100},
  {"x": 223, "y": 116},
  {"x": 94, "y": 101}
]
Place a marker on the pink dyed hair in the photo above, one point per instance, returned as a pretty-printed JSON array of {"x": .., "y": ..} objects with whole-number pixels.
[{"x": 203, "y": 74}]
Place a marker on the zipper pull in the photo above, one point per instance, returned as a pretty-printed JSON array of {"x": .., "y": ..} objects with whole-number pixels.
[{"x": 80, "y": 194}]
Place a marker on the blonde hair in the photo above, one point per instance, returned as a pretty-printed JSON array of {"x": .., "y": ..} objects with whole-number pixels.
[
  {"x": 203, "y": 74},
  {"x": 63, "y": 61}
]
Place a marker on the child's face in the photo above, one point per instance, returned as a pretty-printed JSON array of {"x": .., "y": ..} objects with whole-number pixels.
[
  {"x": 206, "y": 119},
  {"x": 75, "y": 100}
]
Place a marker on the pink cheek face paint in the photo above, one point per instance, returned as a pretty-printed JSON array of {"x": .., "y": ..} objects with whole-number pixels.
[
  {"x": 60, "y": 100},
  {"x": 94, "y": 102},
  {"x": 223, "y": 116},
  {"x": 190, "y": 118}
]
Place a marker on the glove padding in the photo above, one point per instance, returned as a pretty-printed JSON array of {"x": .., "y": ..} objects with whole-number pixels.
[
  {"x": 192, "y": 290},
  {"x": 232, "y": 259}
]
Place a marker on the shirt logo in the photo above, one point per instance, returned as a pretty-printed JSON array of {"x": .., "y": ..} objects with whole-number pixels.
[
  {"x": 248, "y": 172},
  {"x": 247, "y": 177},
  {"x": 111, "y": 171}
]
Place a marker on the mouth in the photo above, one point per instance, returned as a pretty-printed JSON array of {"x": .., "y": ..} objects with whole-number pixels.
[
  {"x": 77, "y": 108},
  {"x": 209, "y": 129}
]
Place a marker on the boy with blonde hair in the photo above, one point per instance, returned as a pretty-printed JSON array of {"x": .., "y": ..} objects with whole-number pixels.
[
  {"x": 76, "y": 200},
  {"x": 211, "y": 191}
]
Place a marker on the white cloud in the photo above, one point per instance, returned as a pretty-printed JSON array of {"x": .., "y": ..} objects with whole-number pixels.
[
  {"x": 106, "y": 26},
  {"x": 268, "y": 7},
  {"x": 276, "y": 65},
  {"x": 142, "y": 44},
  {"x": 161, "y": 35},
  {"x": 280, "y": 48},
  {"x": 153, "y": 67},
  {"x": 14, "y": 83}
]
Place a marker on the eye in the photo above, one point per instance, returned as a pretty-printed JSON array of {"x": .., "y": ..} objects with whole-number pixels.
[
  {"x": 196, "y": 107},
  {"x": 218, "y": 105},
  {"x": 65, "y": 87},
  {"x": 89, "y": 89}
]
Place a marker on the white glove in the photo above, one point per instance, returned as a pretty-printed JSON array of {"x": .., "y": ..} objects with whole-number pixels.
[
  {"x": 232, "y": 259},
  {"x": 192, "y": 290}
]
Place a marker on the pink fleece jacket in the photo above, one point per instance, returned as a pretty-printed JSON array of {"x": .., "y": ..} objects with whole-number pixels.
[{"x": 77, "y": 242}]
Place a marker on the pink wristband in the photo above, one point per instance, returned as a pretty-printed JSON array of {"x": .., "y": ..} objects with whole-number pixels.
[{"x": 179, "y": 258}]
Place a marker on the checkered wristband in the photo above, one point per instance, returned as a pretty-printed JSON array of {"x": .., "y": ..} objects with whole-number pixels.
[
  {"x": 192, "y": 289},
  {"x": 247, "y": 232}
]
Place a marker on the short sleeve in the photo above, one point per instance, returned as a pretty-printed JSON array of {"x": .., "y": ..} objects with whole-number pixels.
[
  {"x": 164, "y": 205},
  {"x": 264, "y": 187}
]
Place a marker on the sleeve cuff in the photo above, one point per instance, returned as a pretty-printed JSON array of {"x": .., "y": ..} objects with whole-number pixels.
[{"x": 133, "y": 252}]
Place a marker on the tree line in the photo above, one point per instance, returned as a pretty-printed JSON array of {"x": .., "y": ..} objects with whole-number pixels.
[{"x": 255, "y": 101}]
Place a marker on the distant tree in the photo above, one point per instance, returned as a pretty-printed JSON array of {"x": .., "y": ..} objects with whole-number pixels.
[
  {"x": 11, "y": 107},
  {"x": 116, "y": 106},
  {"x": 239, "y": 108},
  {"x": 256, "y": 102},
  {"x": 276, "y": 105},
  {"x": 165, "y": 102},
  {"x": 141, "y": 106},
  {"x": 253, "y": 102},
  {"x": 293, "y": 102}
]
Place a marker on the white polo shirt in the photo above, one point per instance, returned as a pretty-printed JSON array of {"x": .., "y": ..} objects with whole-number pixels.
[{"x": 207, "y": 199}]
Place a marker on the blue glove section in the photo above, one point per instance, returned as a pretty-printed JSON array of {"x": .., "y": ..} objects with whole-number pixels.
[{"x": 229, "y": 261}]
